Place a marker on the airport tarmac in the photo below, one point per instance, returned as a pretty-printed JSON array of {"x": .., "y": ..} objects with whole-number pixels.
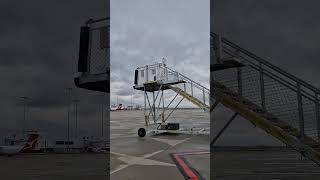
[
  {"x": 53, "y": 167},
  {"x": 262, "y": 164},
  {"x": 151, "y": 157},
  {"x": 155, "y": 157}
]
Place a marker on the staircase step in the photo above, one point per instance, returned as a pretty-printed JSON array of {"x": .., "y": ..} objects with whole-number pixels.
[{"x": 272, "y": 125}]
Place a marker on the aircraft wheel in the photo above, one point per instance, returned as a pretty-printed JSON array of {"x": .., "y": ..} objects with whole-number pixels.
[{"x": 141, "y": 132}]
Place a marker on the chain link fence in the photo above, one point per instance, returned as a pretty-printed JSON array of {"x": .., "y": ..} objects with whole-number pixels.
[{"x": 99, "y": 50}]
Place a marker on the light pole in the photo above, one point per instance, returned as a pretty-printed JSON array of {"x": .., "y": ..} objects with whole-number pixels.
[
  {"x": 76, "y": 101},
  {"x": 25, "y": 106},
  {"x": 102, "y": 121},
  {"x": 68, "y": 111}
]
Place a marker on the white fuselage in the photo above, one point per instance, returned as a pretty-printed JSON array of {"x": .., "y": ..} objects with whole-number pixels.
[
  {"x": 117, "y": 107},
  {"x": 10, "y": 150}
]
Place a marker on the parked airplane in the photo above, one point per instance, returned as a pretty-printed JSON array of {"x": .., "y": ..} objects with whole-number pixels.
[
  {"x": 29, "y": 146},
  {"x": 117, "y": 107}
]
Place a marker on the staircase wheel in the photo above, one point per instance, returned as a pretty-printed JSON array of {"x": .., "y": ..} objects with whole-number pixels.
[{"x": 141, "y": 132}]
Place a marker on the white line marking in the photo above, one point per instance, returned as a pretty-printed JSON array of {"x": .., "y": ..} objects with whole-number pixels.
[
  {"x": 171, "y": 142},
  {"x": 135, "y": 160}
]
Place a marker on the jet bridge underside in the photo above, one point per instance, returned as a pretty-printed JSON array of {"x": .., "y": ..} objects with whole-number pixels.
[
  {"x": 153, "y": 86},
  {"x": 93, "y": 82}
]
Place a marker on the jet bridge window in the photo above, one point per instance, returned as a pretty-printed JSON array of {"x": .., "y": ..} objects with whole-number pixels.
[{"x": 142, "y": 73}]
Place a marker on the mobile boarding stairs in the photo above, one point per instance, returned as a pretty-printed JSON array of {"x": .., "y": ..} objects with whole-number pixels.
[
  {"x": 158, "y": 78},
  {"x": 272, "y": 99}
]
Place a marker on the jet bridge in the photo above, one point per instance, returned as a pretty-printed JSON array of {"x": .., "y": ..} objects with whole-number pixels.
[{"x": 94, "y": 54}]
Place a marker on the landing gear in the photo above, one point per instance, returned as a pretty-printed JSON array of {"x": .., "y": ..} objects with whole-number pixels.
[{"x": 142, "y": 132}]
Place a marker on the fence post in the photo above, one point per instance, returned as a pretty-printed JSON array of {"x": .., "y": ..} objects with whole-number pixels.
[
  {"x": 239, "y": 78},
  {"x": 204, "y": 96},
  {"x": 317, "y": 115},
  {"x": 300, "y": 110},
  {"x": 262, "y": 91},
  {"x": 239, "y": 74},
  {"x": 191, "y": 89},
  {"x": 145, "y": 106},
  {"x": 217, "y": 47}
]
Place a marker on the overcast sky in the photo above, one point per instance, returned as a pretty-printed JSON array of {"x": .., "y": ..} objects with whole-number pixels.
[
  {"x": 144, "y": 31},
  {"x": 38, "y": 50}
]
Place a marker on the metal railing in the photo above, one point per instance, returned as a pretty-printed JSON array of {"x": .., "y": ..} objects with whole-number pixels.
[
  {"x": 289, "y": 98},
  {"x": 191, "y": 87}
]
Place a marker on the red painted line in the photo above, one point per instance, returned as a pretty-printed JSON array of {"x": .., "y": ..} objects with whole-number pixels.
[{"x": 186, "y": 169}]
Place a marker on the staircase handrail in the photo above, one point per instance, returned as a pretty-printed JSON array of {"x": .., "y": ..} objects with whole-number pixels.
[{"x": 197, "y": 85}]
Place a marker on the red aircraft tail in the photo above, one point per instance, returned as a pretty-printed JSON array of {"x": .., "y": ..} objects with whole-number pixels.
[{"x": 30, "y": 144}]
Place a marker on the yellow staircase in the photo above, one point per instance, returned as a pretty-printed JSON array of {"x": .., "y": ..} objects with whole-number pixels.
[
  {"x": 267, "y": 121},
  {"x": 272, "y": 99},
  {"x": 190, "y": 98}
]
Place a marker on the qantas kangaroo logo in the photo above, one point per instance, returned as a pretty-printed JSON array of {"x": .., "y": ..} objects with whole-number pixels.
[{"x": 31, "y": 143}]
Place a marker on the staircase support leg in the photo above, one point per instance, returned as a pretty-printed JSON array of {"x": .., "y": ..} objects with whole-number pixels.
[
  {"x": 160, "y": 99},
  {"x": 154, "y": 103},
  {"x": 173, "y": 109},
  {"x": 150, "y": 107},
  {"x": 239, "y": 78},
  {"x": 154, "y": 107},
  {"x": 204, "y": 96},
  {"x": 145, "y": 106},
  {"x": 172, "y": 100},
  {"x": 223, "y": 129},
  {"x": 162, "y": 107},
  {"x": 191, "y": 89}
]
